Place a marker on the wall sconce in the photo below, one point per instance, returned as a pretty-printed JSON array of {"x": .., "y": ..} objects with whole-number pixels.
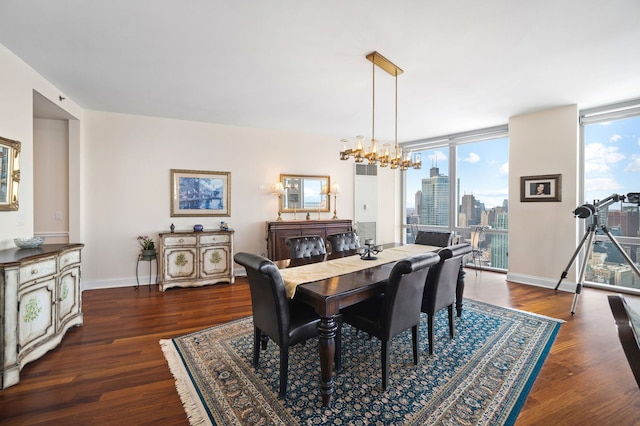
[
  {"x": 278, "y": 189},
  {"x": 335, "y": 190}
]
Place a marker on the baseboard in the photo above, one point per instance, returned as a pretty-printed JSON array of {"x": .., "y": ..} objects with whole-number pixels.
[
  {"x": 131, "y": 282},
  {"x": 541, "y": 282}
]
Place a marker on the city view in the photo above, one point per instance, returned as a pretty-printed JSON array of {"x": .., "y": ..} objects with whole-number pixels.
[
  {"x": 482, "y": 193},
  {"x": 611, "y": 166}
]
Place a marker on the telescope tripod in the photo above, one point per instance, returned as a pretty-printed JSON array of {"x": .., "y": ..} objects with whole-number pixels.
[{"x": 589, "y": 237}]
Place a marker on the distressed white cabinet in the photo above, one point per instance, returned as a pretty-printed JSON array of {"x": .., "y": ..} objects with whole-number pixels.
[
  {"x": 191, "y": 259},
  {"x": 40, "y": 297}
]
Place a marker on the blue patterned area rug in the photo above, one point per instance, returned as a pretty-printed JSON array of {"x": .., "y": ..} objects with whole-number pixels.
[{"x": 482, "y": 376}]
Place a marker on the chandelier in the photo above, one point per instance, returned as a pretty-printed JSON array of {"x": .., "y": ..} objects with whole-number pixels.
[{"x": 396, "y": 160}]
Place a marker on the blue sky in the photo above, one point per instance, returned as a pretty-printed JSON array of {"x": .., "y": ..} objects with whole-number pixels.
[
  {"x": 612, "y": 165},
  {"x": 483, "y": 170},
  {"x": 612, "y": 159}
]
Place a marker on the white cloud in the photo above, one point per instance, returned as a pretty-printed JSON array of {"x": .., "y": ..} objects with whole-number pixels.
[
  {"x": 472, "y": 158},
  {"x": 615, "y": 138},
  {"x": 504, "y": 169},
  {"x": 435, "y": 157},
  {"x": 605, "y": 184},
  {"x": 634, "y": 166},
  {"x": 598, "y": 157}
]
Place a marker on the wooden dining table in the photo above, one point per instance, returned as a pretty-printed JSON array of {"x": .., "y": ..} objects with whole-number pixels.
[{"x": 329, "y": 295}]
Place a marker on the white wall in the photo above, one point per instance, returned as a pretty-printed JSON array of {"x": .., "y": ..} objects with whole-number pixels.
[
  {"x": 17, "y": 83},
  {"x": 119, "y": 172},
  {"x": 127, "y": 178},
  {"x": 542, "y": 235},
  {"x": 51, "y": 179}
]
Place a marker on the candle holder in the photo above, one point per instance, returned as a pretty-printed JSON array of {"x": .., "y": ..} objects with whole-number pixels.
[{"x": 369, "y": 249}]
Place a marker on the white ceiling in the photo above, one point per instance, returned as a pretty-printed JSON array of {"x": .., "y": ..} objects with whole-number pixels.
[{"x": 299, "y": 65}]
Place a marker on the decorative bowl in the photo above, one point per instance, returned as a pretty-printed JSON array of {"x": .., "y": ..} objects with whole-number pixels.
[{"x": 28, "y": 242}]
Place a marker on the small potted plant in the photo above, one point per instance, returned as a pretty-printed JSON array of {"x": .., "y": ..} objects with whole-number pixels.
[{"x": 148, "y": 246}]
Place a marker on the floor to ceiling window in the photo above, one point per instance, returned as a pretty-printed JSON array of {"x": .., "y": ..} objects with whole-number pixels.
[
  {"x": 611, "y": 144},
  {"x": 462, "y": 187}
]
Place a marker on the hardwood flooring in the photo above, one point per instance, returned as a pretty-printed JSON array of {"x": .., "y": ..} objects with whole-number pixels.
[{"x": 111, "y": 370}]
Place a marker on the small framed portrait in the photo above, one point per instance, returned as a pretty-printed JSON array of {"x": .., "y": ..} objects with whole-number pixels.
[
  {"x": 541, "y": 188},
  {"x": 200, "y": 193}
]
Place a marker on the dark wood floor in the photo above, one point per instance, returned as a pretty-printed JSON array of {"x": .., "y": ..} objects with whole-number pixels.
[{"x": 111, "y": 371}]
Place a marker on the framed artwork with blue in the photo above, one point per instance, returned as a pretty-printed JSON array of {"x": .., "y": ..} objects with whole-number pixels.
[{"x": 200, "y": 193}]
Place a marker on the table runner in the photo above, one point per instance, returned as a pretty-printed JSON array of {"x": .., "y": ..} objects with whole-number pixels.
[{"x": 295, "y": 276}]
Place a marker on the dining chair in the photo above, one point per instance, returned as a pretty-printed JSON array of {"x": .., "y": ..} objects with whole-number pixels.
[
  {"x": 435, "y": 238},
  {"x": 440, "y": 287},
  {"x": 397, "y": 309},
  {"x": 628, "y": 324},
  {"x": 342, "y": 244},
  {"x": 307, "y": 248},
  {"x": 286, "y": 321}
]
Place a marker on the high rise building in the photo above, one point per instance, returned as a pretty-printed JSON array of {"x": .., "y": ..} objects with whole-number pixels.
[{"x": 435, "y": 199}]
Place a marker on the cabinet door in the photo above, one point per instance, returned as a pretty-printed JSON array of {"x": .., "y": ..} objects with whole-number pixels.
[
  {"x": 282, "y": 251},
  {"x": 180, "y": 263},
  {"x": 68, "y": 294},
  {"x": 215, "y": 261},
  {"x": 36, "y": 314}
]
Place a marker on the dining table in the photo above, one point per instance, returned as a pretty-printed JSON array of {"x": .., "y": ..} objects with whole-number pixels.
[{"x": 335, "y": 284}]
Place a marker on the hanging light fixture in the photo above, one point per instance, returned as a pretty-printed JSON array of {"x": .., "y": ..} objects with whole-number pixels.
[{"x": 384, "y": 157}]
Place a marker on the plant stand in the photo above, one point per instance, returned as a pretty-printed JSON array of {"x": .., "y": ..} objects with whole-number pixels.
[{"x": 147, "y": 256}]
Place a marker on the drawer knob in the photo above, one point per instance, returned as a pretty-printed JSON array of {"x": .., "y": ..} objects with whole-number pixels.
[
  {"x": 34, "y": 271},
  {"x": 181, "y": 241}
]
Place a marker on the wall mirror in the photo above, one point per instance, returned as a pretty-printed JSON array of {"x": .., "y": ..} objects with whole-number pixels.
[
  {"x": 304, "y": 193},
  {"x": 9, "y": 173}
]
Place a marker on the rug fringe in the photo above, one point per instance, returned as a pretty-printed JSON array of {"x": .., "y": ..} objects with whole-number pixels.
[{"x": 192, "y": 408}]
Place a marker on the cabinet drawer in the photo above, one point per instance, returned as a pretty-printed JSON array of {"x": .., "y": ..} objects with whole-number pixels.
[
  {"x": 39, "y": 269},
  {"x": 179, "y": 240},
  {"x": 69, "y": 258},
  {"x": 214, "y": 239}
]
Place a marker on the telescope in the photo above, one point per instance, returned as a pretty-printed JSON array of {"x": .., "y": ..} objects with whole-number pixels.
[
  {"x": 587, "y": 210},
  {"x": 583, "y": 212}
]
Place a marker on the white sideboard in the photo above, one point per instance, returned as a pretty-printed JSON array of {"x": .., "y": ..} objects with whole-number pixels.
[
  {"x": 191, "y": 259},
  {"x": 41, "y": 298}
]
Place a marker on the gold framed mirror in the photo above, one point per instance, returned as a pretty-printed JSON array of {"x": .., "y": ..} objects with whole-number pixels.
[
  {"x": 9, "y": 173},
  {"x": 305, "y": 193}
]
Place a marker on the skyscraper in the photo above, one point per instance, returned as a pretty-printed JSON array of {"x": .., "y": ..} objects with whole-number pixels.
[{"x": 435, "y": 199}]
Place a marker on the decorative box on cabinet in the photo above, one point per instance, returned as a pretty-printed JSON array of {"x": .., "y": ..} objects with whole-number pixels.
[
  {"x": 192, "y": 259},
  {"x": 40, "y": 299},
  {"x": 279, "y": 231}
]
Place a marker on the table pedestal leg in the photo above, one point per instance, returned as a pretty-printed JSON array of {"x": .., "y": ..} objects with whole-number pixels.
[
  {"x": 327, "y": 332},
  {"x": 460, "y": 289}
]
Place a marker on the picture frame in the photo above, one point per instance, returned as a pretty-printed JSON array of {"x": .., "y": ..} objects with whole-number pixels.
[
  {"x": 541, "y": 188},
  {"x": 200, "y": 193}
]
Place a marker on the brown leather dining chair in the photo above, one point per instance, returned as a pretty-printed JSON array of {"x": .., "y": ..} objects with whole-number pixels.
[
  {"x": 342, "y": 244},
  {"x": 287, "y": 322},
  {"x": 628, "y": 324},
  {"x": 440, "y": 288},
  {"x": 397, "y": 309},
  {"x": 306, "y": 249}
]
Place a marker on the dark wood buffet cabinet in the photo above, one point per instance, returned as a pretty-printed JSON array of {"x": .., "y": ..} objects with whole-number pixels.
[{"x": 279, "y": 231}]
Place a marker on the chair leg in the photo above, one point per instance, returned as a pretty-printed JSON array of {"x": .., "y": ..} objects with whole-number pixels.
[
  {"x": 257, "y": 334},
  {"x": 384, "y": 356},
  {"x": 284, "y": 370},
  {"x": 451, "y": 324},
  {"x": 430, "y": 332},
  {"x": 414, "y": 340}
]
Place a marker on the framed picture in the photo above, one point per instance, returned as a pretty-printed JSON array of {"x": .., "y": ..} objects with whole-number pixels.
[
  {"x": 200, "y": 193},
  {"x": 541, "y": 188}
]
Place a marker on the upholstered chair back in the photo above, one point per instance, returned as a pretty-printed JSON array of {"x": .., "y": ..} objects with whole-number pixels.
[
  {"x": 307, "y": 247},
  {"x": 342, "y": 244}
]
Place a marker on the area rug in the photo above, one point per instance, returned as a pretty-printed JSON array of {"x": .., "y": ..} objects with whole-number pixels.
[{"x": 481, "y": 377}]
